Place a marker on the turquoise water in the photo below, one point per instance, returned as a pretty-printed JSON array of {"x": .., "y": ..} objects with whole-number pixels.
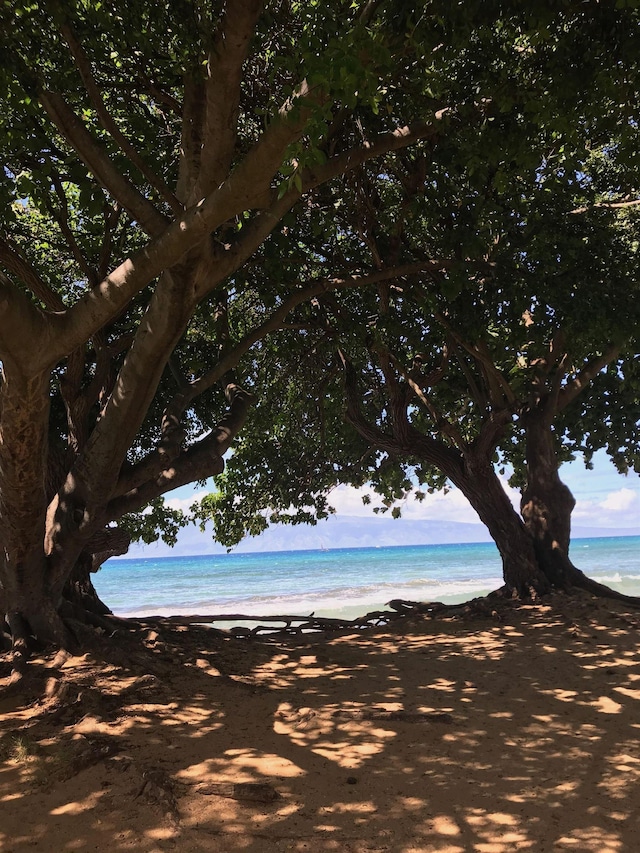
[{"x": 345, "y": 582}]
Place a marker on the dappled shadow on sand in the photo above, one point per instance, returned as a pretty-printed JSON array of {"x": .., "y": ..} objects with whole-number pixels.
[{"x": 449, "y": 735}]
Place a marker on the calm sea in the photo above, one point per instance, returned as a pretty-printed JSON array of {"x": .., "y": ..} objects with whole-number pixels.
[{"x": 346, "y": 582}]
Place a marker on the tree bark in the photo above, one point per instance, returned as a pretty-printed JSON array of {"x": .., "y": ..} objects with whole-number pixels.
[
  {"x": 546, "y": 507},
  {"x": 547, "y": 503},
  {"x": 79, "y": 589},
  {"x": 479, "y": 483},
  {"x": 24, "y": 569}
]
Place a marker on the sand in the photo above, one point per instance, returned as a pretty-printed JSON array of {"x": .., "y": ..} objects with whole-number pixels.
[{"x": 495, "y": 733}]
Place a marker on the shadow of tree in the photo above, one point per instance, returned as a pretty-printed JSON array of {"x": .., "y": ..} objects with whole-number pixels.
[{"x": 446, "y": 735}]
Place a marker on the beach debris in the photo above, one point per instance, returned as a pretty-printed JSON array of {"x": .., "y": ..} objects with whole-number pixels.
[
  {"x": 399, "y": 716},
  {"x": 159, "y": 790},
  {"x": 255, "y": 792},
  {"x": 86, "y": 752}
]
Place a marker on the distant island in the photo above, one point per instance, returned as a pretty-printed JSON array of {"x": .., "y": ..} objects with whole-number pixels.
[{"x": 350, "y": 532}]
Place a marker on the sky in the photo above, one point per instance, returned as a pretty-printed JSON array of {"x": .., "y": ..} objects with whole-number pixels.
[{"x": 605, "y": 501}]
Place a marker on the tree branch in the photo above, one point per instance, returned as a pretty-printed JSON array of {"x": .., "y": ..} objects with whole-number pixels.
[
  {"x": 611, "y": 205},
  {"x": 167, "y": 314},
  {"x": 61, "y": 216},
  {"x": 84, "y": 67},
  {"x": 191, "y": 140},
  {"x": 354, "y": 415},
  {"x": 480, "y": 353},
  {"x": 551, "y": 403},
  {"x": 244, "y": 188},
  {"x": 223, "y": 89},
  {"x": 111, "y": 216},
  {"x": 76, "y": 404},
  {"x": 159, "y": 94},
  {"x": 14, "y": 261},
  {"x": 384, "y": 143},
  {"x": 97, "y": 160},
  {"x": 410, "y": 442},
  {"x": 477, "y": 392},
  {"x": 202, "y": 460},
  {"x": 575, "y": 387},
  {"x": 275, "y": 321},
  {"x": 241, "y": 191},
  {"x": 491, "y": 429},
  {"x": 442, "y": 424}
]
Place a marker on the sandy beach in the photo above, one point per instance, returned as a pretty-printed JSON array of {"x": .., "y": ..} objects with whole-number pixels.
[{"x": 511, "y": 730}]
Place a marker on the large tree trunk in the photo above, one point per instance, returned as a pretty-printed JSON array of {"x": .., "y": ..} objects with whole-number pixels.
[
  {"x": 473, "y": 473},
  {"x": 29, "y": 603},
  {"x": 546, "y": 507},
  {"x": 79, "y": 589},
  {"x": 31, "y": 594},
  {"x": 547, "y": 503},
  {"x": 479, "y": 483}
]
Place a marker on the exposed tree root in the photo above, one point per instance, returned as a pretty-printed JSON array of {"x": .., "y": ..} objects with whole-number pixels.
[
  {"x": 277, "y": 627},
  {"x": 563, "y": 575},
  {"x": 143, "y": 644},
  {"x": 280, "y": 626},
  {"x": 20, "y": 644},
  {"x": 69, "y": 629},
  {"x": 396, "y": 716},
  {"x": 74, "y": 613},
  {"x": 581, "y": 581}
]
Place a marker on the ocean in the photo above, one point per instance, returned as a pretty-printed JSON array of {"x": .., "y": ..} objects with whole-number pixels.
[{"x": 344, "y": 582}]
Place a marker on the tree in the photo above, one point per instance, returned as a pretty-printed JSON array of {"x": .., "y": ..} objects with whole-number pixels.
[
  {"x": 563, "y": 316},
  {"x": 149, "y": 154},
  {"x": 504, "y": 353},
  {"x": 589, "y": 354},
  {"x": 507, "y": 369}
]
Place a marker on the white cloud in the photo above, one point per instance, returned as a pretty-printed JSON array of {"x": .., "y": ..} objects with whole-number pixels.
[
  {"x": 620, "y": 508},
  {"x": 185, "y": 503},
  {"x": 440, "y": 506},
  {"x": 621, "y": 501},
  {"x": 347, "y": 500}
]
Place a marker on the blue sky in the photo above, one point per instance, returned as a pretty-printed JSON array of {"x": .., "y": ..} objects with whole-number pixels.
[{"x": 604, "y": 499}]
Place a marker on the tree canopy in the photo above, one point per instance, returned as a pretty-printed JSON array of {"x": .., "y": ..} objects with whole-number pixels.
[
  {"x": 444, "y": 372},
  {"x": 519, "y": 343},
  {"x": 199, "y": 201}
]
